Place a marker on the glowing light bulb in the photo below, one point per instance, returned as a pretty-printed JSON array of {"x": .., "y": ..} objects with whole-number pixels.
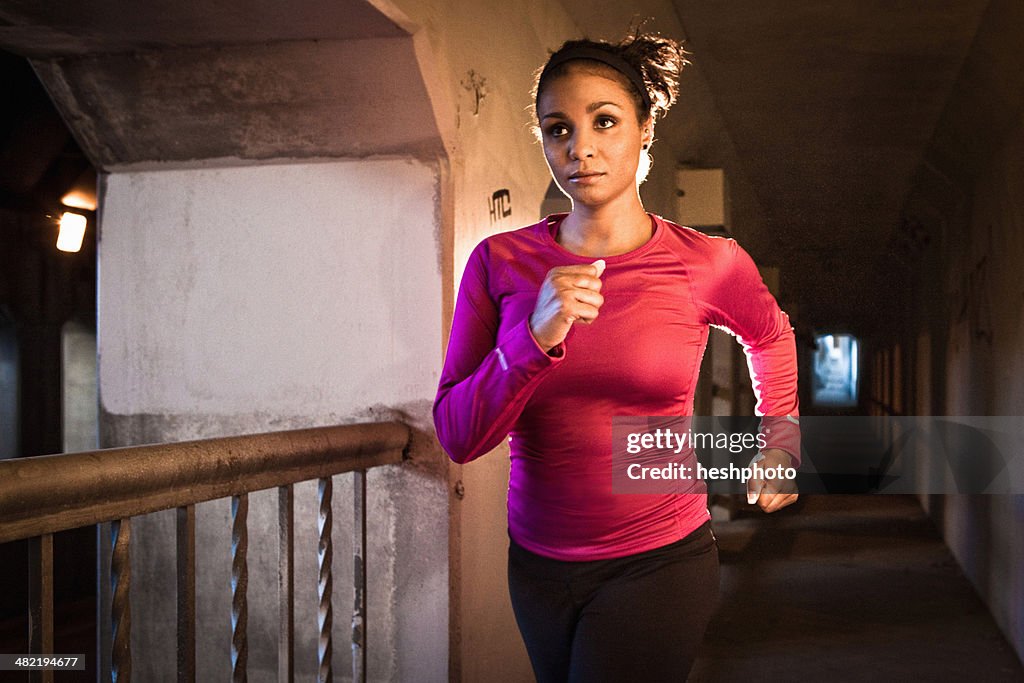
[{"x": 72, "y": 231}]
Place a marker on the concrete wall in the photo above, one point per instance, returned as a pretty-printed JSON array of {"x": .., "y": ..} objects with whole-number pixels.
[
  {"x": 479, "y": 59},
  {"x": 79, "y": 390},
  {"x": 963, "y": 345},
  {"x": 299, "y": 99},
  {"x": 221, "y": 287},
  {"x": 476, "y": 63},
  {"x": 249, "y": 299},
  {"x": 984, "y": 349},
  {"x": 482, "y": 57},
  {"x": 265, "y": 281}
]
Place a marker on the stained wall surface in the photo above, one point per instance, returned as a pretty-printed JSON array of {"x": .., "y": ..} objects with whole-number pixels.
[
  {"x": 249, "y": 284},
  {"x": 983, "y": 363},
  {"x": 259, "y": 298},
  {"x": 968, "y": 324}
]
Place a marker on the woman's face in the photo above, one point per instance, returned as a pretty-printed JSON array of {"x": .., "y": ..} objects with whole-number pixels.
[{"x": 592, "y": 138}]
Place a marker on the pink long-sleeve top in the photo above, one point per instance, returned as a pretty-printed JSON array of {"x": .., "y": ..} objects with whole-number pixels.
[{"x": 641, "y": 356}]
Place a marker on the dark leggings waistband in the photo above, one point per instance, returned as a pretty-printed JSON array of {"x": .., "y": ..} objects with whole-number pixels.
[{"x": 698, "y": 538}]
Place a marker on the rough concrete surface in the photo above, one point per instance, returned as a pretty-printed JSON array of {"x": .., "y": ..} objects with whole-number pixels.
[{"x": 847, "y": 588}]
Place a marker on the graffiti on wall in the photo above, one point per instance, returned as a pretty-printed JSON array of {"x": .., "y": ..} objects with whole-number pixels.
[
  {"x": 500, "y": 203},
  {"x": 477, "y": 85},
  {"x": 975, "y": 295}
]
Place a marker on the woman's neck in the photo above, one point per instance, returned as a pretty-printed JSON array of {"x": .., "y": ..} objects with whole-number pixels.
[{"x": 606, "y": 230}]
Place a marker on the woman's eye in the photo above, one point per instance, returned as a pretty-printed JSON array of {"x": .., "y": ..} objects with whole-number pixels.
[
  {"x": 557, "y": 130},
  {"x": 605, "y": 122}
]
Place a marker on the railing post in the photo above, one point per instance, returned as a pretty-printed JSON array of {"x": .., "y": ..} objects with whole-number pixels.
[
  {"x": 239, "y": 587},
  {"x": 186, "y": 561},
  {"x": 40, "y": 595},
  {"x": 104, "y": 623},
  {"x": 120, "y": 604},
  {"x": 359, "y": 577},
  {"x": 40, "y": 496},
  {"x": 324, "y": 585},
  {"x": 286, "y": 583}
]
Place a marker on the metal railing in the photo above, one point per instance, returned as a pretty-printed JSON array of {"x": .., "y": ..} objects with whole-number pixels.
[{"x": 40, "y": 496}]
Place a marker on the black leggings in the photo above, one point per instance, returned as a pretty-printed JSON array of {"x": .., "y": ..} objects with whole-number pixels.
[{"x": 634, "y": 618}]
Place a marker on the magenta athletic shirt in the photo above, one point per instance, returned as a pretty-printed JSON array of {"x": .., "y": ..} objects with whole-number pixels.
[{"x": 640, "y": 356}]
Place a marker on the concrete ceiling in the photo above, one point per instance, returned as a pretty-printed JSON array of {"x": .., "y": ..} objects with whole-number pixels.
[
  {"x": 72, "y": 27},
  {"x": 824, "y": 112},
  {"x": 828, "y": 105},
  {"x": 186, "y": 82},
  {"x": 831, "y": 105}
]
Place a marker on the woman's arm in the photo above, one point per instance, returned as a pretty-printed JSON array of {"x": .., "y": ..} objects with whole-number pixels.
[
  {"x": 486, "y": 381},
  {"x": 737, "y": 300}
]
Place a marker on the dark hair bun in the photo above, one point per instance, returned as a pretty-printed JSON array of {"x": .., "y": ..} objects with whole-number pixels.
[
  {"x": 660, "y": 61},
  {"x": 657, "y": 59}
]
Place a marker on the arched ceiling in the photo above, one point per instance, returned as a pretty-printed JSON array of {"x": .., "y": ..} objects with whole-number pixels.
[{"x": 824, "y": 112}]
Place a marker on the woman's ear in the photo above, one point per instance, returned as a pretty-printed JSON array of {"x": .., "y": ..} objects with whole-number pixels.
[{"x": 647, "y": 136}]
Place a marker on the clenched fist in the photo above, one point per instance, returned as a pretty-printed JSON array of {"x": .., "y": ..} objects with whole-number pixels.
[
  {"x": 772, "y": 494},
  {"x": 568, "y": 294}
]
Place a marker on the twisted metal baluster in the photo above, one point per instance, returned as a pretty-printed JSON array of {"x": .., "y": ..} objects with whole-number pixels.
[
  {"x": 324, "y": 553},
  {"x": 121, "y": 607},
  {"x": 239, "y": 586}
]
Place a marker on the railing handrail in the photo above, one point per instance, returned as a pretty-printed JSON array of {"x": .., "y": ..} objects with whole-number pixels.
[{"x": 45, "y": 494}]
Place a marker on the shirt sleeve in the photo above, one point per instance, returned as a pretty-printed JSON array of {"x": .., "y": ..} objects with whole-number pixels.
[
  {"x": 485, "y": 381},
  {"x": 734, "y": 298}
]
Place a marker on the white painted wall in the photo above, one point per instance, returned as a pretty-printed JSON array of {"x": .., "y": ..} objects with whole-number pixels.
[
  {"x": 250, "y": 299},
  {"x": 305, "y": 289}
]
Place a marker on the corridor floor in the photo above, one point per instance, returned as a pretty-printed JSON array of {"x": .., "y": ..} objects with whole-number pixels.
[{"x": 847, "y": 588}]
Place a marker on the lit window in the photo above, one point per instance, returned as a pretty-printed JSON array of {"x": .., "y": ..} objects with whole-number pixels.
[{"x": 835, "y": 370}]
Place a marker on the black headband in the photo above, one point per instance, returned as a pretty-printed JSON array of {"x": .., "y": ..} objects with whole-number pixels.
[{"x": 605, "y": 57}]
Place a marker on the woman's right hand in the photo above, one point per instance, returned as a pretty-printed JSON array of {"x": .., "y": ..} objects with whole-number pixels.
[{"x": 568, "y": 294}]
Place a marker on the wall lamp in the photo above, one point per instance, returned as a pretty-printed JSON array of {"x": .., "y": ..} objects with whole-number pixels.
[
  {"x": 72, "y": 231},
  {"x": 81, "y": 196}
]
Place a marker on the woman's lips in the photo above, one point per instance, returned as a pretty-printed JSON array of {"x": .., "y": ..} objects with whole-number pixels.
[{"x": 585, "y": 177}]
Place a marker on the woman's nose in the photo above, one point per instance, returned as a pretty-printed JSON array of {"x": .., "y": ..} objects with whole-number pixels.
[{"x": 581, "y": 145}]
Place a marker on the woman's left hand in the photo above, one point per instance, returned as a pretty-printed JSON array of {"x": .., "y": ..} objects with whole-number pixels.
[{"x": 772, "y": 494}]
